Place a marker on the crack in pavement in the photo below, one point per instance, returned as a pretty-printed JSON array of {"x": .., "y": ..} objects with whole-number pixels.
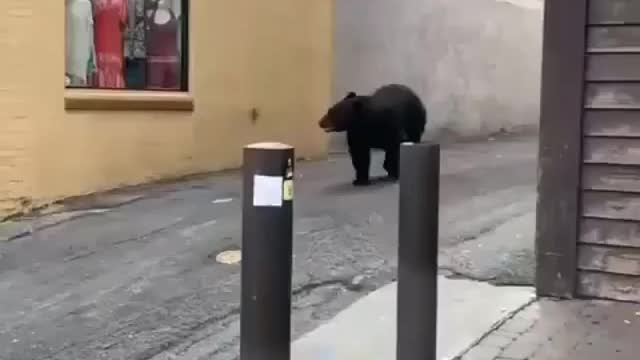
[
  {"x": 144, "y": 236},
  {"x": 190, "y": 339},
  {"x": 453, "y": 274}
]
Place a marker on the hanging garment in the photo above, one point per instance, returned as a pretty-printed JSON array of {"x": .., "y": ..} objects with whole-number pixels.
[
  {"x": 92, "y": 77},
  {"x": 110, "y": 18},
  {"x": 80, "y": 49},
  {"x": 163, "y": 61},
  {"x": 136, "y": 73},
  {"x": 176, "y": 6}
]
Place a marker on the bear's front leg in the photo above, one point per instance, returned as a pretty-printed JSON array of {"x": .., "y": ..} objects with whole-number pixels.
[
  {"x": 391, "y": 161},
  {"x": 360, "y": 157}
]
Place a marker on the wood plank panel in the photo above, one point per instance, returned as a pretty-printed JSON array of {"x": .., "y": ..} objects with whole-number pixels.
[
  {"x": 609, "y": 205},
  {"x": 613, "y": 39},
  {"x": 610, "y": 232},
  {"x": 608, "y": 286},
  {"x": 611, "y": 178},
  {"x": 612, "y": 123},
  {"x": 617, "y": 151},
  {"x": 614, "y": 11},
  {"x": 612, "y": 96},
  {"x": 613, "y": 67},
  {"x": 561, "y": 111},
  {"x": 615, "y": 260}
]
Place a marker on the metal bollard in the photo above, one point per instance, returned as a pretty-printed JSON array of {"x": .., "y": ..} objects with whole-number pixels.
[
  {"x": 418, "y": 251},
  {"x": 267, "y": 233}
]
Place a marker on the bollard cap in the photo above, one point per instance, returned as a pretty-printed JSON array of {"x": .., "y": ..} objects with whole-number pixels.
[{"x": 269, "y": 146}]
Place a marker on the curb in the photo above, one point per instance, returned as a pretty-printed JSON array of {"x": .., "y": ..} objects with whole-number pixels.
[{"x": 495, "y": 326}]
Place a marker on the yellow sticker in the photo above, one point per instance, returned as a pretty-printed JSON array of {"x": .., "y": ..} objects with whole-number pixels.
[{"x": 287, "y": 193}]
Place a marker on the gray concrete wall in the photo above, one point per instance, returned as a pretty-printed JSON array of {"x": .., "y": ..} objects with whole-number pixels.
[{"x": 476, "y": 63}]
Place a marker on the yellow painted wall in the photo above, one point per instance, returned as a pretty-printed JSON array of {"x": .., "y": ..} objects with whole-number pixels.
[{"x": 272, "y": 55}]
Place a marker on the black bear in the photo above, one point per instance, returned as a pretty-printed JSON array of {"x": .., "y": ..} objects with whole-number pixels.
[{"x": 383, "y": 120}]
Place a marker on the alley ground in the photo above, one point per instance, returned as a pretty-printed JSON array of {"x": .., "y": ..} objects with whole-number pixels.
[{"x": 139, "y": 280}]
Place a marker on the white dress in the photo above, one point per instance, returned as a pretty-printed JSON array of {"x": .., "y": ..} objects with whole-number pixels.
[{"x": 79, "y": 40}]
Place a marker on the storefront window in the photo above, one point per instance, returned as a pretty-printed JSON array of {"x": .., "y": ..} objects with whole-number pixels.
[{"x": 127, "y": 44}]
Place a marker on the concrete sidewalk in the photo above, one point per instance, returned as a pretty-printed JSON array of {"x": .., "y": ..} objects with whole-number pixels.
[
  {"x": 467, "y": 311},
  {"x": 477, "y": 321},
  {"x": 564, "y": 330},
  {"x": 469, "y": 308}
]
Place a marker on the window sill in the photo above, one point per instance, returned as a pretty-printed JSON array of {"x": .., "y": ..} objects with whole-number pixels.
[{"x": 89, "y": 99}]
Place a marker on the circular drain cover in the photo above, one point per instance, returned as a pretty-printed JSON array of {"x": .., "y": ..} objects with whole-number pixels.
[{"x": 229, "y": 257}]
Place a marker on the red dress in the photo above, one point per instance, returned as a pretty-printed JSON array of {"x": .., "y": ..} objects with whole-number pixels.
[{"x": 110, "y": 16}]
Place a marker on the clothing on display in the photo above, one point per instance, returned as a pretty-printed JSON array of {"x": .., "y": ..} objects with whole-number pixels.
[
  {"x": 135, "y": 48},
  {"x": 80, "y": 49},
  {"x": 110, "y": 18},
  {"x": 136, "y": 73},
  {"x": 163, "y": 62},
  {"x": 124, "y": 44}
]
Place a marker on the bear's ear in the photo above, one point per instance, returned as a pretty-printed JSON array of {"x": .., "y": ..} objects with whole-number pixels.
[
  {"x": 358, "y": 105},
  {"x": 350, "y": 95}
]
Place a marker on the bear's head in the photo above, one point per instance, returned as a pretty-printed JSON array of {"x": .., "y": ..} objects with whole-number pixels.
[{"x": 339, "y": 116}]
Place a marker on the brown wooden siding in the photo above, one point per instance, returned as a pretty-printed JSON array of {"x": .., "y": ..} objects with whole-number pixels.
[
  {"x": 607, "y": 123},
  {"x": 608, "y": 250},
  {"x": 610, "y": 232},
  {"x": 613, "y": 67},
  {"x": 561, "y": 109},
  {"x": 611, "y": 205},
  {"x": 614, "y": 12},
  {"x": 612, "y": 95},
  {"x": 608, "y": 286},
  {"x": 613, "y": 39},
  {"x": 615, "y": 260},
  {"x": 599, "y": 177},
  {"x": 611, "y": 150}
]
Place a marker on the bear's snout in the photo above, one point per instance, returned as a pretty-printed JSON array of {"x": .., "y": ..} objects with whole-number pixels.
[{"x": 325, "y": 125}]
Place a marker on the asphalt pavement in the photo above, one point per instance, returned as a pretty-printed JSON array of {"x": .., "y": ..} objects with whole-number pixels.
[{"x": 134, "y": 276}]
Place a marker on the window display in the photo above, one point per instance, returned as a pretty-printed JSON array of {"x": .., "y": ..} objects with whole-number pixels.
[{"x": 126, "y": 44}]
